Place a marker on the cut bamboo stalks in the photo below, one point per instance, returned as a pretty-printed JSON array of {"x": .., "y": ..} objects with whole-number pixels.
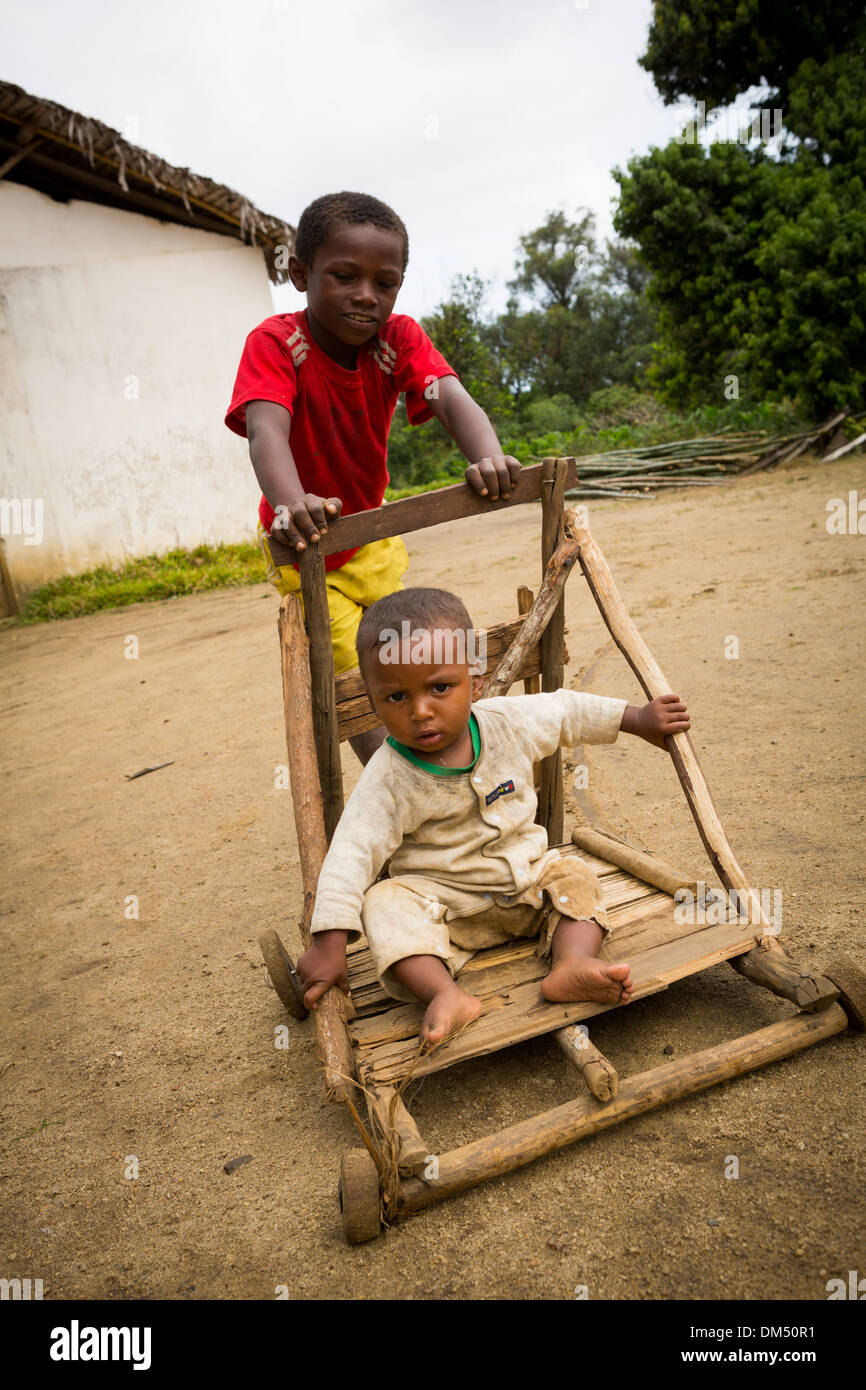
[
  {"x": 554, "y": 477},
  {"x": 680, "y": 747},
  {"x": 396, "y": 1122},
  {"x": 324, "y": 699},
  {"x": 334, "y": 1043},
  {"x": 538, "y": 621},
  {"x": 542, "y": 1134},
  {"x": 632, "y": 861},
  {"x": 844, "y": 449},
  {"x": 789, "y": 449},
  {"x": 598, "y": 1073}
]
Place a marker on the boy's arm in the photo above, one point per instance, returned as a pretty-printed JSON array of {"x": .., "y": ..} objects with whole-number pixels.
[
  {"x": 490, "y": 472},
  {"x": 565, "y": 718},
  {"x": 367, "y": 834},
  {"x": 301, "y": 516}
]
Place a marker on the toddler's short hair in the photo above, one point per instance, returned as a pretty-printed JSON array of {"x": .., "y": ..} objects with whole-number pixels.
[
  {"x": 320, "y": 217},
  {"x": 424, "y": 610}
]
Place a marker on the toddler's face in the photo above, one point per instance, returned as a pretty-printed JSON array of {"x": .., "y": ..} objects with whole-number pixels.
[
  {"x": 354, "y": 281},
  {"x": 424, "y": 706}
]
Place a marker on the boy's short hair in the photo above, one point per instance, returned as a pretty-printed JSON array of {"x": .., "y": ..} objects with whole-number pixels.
[
  {"x": 320, "y": 217},
  {"x": 423, "y": 609}
]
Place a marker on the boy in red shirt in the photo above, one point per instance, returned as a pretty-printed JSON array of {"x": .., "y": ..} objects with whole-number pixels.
[{"x": 315, "y": 393}]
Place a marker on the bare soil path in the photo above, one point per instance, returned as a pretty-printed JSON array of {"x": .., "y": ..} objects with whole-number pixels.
[{"x": 147, "y": 1043}]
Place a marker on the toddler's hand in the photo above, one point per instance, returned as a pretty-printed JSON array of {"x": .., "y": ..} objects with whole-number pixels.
[
  {"x": 666, "y": 715},
  {"x": 305, "y": 519},
  {"x": 494, "y": 477},
  {"x": 323, "y": 965}
]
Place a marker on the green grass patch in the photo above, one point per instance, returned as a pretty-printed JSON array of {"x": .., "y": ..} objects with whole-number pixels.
[{"x": 147, "y": 578}]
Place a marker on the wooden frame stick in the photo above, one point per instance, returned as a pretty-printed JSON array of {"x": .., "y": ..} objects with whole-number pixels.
[
  {"x": 632, "y": 861},
  {"x": 335, "y": 1045},
  {"x": 416, "y": 514},
  {"x": 554, "y": 474},
  {"x": 599, "y": 1074},
  {"x": 531, "y": 684},
  {"x": 324, "y": 698},
  {"x": 525, "y": 600},
  {"x": 680, "y": 746},
  {"x": 540, "y": 617},
  {"x": 554, "y": 1129},
  {"x": 394, "y": 1118}
]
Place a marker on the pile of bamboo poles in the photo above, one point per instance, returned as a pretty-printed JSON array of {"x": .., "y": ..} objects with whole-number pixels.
[{"x": 702, "y": 462}]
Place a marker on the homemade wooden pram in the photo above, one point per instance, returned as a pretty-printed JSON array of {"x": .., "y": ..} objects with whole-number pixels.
[{"x": 370, "y": 1045}]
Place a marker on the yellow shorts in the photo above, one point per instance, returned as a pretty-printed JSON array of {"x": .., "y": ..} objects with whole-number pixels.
[{"x": 373, "y": 571}]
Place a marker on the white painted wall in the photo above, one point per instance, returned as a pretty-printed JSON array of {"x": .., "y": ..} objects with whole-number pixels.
[{"x": 119, "y": 342}]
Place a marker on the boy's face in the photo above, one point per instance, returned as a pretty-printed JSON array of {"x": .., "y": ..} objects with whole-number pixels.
[
  {"x": 352, "y": 284},
  {"x": 423, "y": 705}
]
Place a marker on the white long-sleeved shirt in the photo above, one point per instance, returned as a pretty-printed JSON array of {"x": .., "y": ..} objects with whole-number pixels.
[{"x": 476, "y": 830}]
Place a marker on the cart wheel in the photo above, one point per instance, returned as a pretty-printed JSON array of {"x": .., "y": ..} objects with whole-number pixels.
[
  {"x": 359, "y": 1196},
  {"x": 850, "y": 980},
  {"x": 282, "y": 972}
]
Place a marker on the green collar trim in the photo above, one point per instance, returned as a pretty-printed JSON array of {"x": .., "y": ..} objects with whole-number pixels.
[{"x": 438, "y": 770}]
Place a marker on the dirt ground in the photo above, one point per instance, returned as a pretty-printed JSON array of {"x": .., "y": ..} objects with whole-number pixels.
[{"x": 152, "y": 1038}]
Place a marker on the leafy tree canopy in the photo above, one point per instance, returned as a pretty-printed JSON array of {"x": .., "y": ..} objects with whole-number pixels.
[
  {"x": 757, "y": 261},
  {"x": 711, "y": 50}
]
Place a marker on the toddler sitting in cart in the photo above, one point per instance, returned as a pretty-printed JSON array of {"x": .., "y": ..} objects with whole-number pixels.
[{"x": 449, "y": 800}]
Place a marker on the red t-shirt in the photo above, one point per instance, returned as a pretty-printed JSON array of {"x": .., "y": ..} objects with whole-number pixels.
[{"x": 340, "y": 418}]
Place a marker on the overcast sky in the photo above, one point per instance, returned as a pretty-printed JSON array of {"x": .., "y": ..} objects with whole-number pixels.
[{"x": 472, "y": 118}]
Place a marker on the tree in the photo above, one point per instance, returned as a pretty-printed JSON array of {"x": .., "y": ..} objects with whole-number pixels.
[
  {"x": 555, "y": 259},
  {"x": 757, "y": 261},
  {"x": 457, "y": 329},
  {"x": 712, "y": 50}
]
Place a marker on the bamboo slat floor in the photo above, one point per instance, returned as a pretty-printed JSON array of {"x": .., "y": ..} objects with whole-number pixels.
[{"x": 506, "y": 978}]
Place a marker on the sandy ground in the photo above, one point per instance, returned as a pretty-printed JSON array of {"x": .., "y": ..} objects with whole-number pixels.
[{"x": 153, "y": 1038}]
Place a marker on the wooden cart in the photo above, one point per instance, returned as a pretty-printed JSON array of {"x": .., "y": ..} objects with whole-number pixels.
[{"x": 369, "y": 1045}]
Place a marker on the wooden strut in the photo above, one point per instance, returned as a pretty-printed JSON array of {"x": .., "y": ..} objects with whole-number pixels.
[
  {"x": 598, "y": 1073},
  {"x": 554, "y": 474},
  {"x": 541, "y": 616},
  {"x": 324, "y": 698},
  {"x": 542, "y": 1134},
  {"x": 680, "y": 747},
  {"x": 771, "y": 969},
  {"x": 332, "y": 1034},
  {"x": 632, "y": 861},
  {"x": 531, "y": 684},
  {"x": 776, "y": 972},
  {"x": 417, "y": 513},
  {"x": 393, "y": 1118}
]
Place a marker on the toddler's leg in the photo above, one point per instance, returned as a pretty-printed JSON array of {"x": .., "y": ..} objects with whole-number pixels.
[
  {"x": 412, "y": 954},
  {"x": 449, "y": 1007},
  {"x": 577, "y": 974}
]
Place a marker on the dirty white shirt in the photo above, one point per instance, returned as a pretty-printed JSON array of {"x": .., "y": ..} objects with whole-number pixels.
[{"x": 476, "y": 830}]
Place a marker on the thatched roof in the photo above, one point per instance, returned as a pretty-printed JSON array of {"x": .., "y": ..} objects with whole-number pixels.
[{"x": 67, "y": 155}]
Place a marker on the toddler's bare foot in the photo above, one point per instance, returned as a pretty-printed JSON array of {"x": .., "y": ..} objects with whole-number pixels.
[
  {"x": 450, "y": 1009},
  {"x": 576, "y": 979}
]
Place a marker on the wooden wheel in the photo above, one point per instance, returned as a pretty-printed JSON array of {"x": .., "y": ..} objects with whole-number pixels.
[
  {"x": 282, "y": 972},
  {"x": 359, "y": 1196},
  {"x": 850, "y": 980}
]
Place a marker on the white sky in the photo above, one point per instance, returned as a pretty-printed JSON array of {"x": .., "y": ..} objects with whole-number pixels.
[{"x": 472, "y": 118}]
